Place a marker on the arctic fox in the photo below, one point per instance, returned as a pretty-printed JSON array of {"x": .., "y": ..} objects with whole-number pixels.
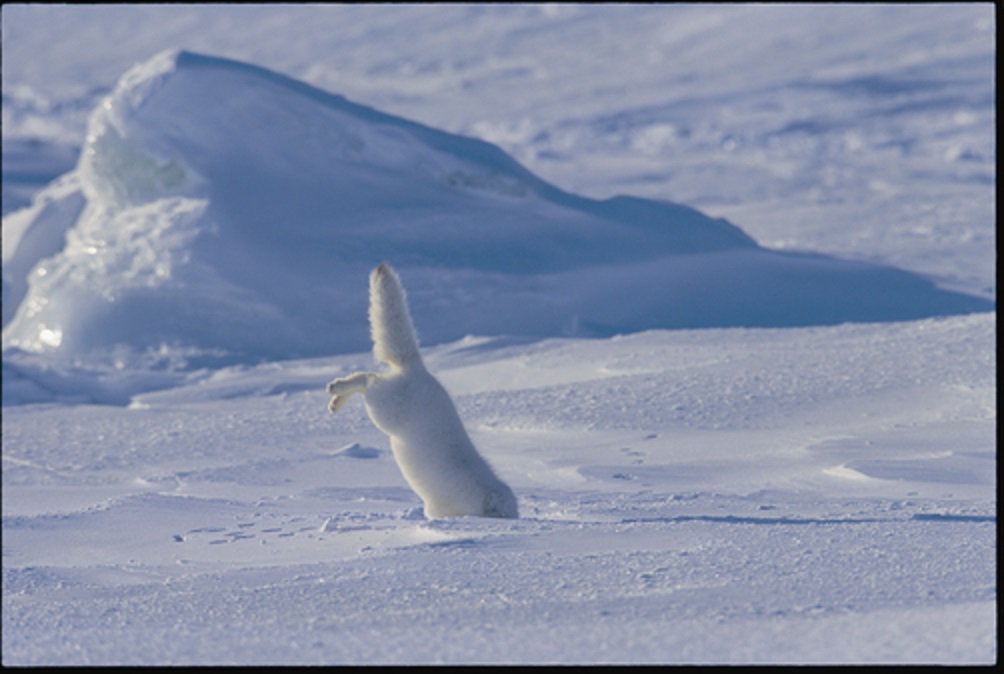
[{"x": 407, "y": 403}]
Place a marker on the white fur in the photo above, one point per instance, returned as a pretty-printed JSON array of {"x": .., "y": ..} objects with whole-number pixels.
[{"x": 407, "y": 403}]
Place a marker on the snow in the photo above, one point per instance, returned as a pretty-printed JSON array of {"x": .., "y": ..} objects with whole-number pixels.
[
  {"x": 686, "y": 496},
  {"x": 198, "y": 225},
  {"x": 777, "y": 444}
]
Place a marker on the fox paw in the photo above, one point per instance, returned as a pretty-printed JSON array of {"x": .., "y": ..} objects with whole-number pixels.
[{"x": 336, "y": 403}]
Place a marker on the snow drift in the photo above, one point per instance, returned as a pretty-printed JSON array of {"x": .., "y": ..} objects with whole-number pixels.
[{"x": 232, "y": 212}]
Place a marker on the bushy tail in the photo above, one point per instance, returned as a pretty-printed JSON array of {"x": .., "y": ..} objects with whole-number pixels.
[{"x": 393, "y": 335}]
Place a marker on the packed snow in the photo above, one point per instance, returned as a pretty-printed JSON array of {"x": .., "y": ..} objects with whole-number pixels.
[{"x": 715, "y": 299}]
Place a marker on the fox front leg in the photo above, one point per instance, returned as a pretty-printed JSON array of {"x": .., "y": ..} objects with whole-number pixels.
[{"x": 343, "y": 388}]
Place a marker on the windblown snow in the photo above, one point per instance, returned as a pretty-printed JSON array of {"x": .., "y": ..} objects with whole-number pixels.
[
  {"x": 228, "y": 210},
  {"x": 748, "y": 407}
]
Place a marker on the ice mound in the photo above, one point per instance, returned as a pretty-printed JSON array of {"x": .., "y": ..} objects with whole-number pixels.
[{"x": 230, "y": 213}]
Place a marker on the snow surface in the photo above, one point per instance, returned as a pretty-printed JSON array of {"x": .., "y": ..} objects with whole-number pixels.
[
  {"x": 810, "y": 495},
  {"x": 202, "y": 223},
  {"x": 818, "y": 494}
]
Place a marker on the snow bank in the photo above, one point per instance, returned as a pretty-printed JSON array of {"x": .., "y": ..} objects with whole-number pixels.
[{"x": 232, "y": 212}]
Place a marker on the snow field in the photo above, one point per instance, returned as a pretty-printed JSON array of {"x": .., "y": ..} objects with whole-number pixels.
[
  {"x": 233, "y": 520},
  {"x": 820, "y": 494}
]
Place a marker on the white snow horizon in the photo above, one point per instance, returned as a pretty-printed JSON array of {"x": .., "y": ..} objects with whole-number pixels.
[{"x": 716, "y": 300}]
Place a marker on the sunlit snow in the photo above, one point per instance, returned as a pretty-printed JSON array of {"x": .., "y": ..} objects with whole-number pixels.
[{"x": 712, "y": 288}]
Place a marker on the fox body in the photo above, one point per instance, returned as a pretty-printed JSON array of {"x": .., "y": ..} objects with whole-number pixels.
[{"x": 428, "y": 439}]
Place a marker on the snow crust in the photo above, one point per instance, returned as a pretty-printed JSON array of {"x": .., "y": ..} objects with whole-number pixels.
[
  {"x": 810, "y": 495},
  {"x": 743, "y": 495}
]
